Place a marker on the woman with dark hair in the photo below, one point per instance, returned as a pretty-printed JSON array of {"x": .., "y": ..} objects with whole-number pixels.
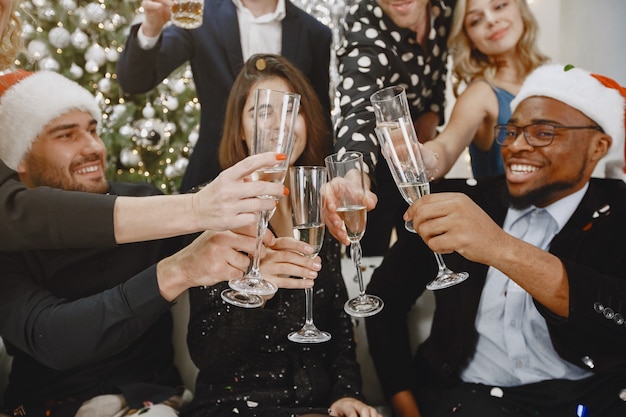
[{"x": 247, "y": 365}]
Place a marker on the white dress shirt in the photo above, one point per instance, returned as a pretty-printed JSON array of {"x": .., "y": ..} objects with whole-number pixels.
[
  {"x": 514, "y": 346},
  {"x": 263, "y": 34}
]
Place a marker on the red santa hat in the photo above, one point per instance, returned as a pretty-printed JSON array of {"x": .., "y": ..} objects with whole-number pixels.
[
  {"x": 29, "y": 102},
  {"x": 598, "y": 97}
]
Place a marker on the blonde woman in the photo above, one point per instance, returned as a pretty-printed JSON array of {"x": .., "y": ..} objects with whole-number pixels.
[{"x": 493, "y": 46}]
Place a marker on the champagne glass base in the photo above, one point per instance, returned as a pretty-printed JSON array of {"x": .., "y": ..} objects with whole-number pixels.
[
  {"x": 256, "y": 286},
  {"x": 309, "y": 334},
  {"x": 409, "y": 226},
  {"x": 241, "y": 299},
  {"x": 363, "y": 306},
  {"x": 447, "y": 279}
]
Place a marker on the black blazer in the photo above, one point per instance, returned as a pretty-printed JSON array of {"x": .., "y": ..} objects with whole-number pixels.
[
  {"x": 214, "y": 52},
  {"x": 591, "y": 246}
]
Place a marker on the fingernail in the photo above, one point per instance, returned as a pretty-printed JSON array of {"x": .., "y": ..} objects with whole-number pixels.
[
  {"x": 317, "y": 265},
  {"x": 312, "y": 274},
  {"x": 308, "y": 249},
  {"x": 281, "y": 156},
  {"x": 285, "y": 191}
]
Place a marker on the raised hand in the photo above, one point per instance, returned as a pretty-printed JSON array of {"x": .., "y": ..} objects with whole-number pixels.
[
  {"x": 230, "y": 201},
  {"x": 284, "y": 260},
  {"x": 156, "y": 14},
  {"x": 334, "y": 223},
  {"x": 210, "y": 258}
]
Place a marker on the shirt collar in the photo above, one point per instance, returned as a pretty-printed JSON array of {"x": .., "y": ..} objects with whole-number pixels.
[
  {"x": 560, "y": 210},
  {"x": 277, "y": 15}
]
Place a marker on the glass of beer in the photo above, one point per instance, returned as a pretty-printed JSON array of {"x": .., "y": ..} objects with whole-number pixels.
[{"x": 187, "y": 14}]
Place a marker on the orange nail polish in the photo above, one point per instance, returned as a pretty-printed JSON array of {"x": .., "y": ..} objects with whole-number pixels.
[
  {"x": 281, "y": 157},
  {"x": 285, "y": 191}
]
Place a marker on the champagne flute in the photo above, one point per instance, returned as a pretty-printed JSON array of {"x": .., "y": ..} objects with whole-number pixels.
[
  {"x": 305, "y": 183},
  {"x": 345, "y": 172},
  {"x": 400, "y": 147},
  {"x": 275, "y": 114}
]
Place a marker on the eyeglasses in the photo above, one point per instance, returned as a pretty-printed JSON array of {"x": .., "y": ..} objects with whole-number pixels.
[{"x": 536, "y": 135}]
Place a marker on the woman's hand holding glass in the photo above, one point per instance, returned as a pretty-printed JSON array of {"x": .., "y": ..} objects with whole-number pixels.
[
  {"x": 346, "y": 174},
  {"x": 284, "y": 259},
  {"x": 275, "y": 114}
]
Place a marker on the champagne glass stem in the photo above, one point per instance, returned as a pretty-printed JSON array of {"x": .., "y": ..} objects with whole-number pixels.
[
  {"x": 443, "y": 269},
  {"x": 355, "y": 254},
  {"x": 261, "y": 227},
  {"x": 308, "y": 320}
]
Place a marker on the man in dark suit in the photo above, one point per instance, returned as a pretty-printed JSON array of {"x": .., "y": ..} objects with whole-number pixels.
[
  {"x": 538, "y": 328},
  {"x": 216, "y": 52}
]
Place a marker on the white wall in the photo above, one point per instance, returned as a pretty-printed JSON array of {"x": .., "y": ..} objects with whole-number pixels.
[{"x": 589, "y": 34}]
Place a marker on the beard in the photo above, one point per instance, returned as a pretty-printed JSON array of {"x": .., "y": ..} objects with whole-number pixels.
[
  {"x": 542, "y": 196},
  {"x": 42, "y": 173}
]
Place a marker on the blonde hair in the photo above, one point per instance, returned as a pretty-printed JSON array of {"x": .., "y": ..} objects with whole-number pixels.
[
  {"x": 470, "y": 63},
  {"x": 11, "y": 38}
]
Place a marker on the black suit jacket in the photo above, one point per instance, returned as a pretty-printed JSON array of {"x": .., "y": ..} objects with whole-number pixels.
[
  {"x": 214, "y": 52},
  {"x": 593, "y": 251}
]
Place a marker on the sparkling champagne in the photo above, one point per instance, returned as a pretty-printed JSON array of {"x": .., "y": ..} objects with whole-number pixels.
[
  {"x": 411, "y": 191},
  {"x": 312, "y": 234},
  {"x": 354, "y": 217},
  {"x": 271, "y": 175}
]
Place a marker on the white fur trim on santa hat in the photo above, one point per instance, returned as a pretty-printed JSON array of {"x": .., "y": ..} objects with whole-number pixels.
[
  {"x": 28, "y": 106},
  {"x": 579, "y": 89}
]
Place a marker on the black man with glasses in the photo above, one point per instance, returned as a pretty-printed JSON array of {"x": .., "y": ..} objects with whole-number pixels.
[{"x": 539, "y": 328}]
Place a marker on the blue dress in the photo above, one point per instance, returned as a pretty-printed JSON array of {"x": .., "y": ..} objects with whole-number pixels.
[{"x": 489, "y": 163}]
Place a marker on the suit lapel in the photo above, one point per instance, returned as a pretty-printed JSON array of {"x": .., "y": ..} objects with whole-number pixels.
[
  {"x": 227, "y": 27},
  {"x": 291, "y": 33}
]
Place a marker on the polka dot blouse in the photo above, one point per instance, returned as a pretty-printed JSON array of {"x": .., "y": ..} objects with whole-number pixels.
[{"x": 375, "y": 53}]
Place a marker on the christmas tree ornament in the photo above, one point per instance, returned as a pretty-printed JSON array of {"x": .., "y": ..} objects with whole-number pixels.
[
  {"x": 193, "y": 136},
  {"x": 148, "y": 111},
  {"x": 59, "y": 37},
  {"x": 104, "y": 85},
  {"x": 130, "y": 158},
  {"x": 68, "y": 5},
  {"x": 40, "y": 3},
  {"x": 79, "y": 39},
  {"x": 127, "y": 131},
  {"x": 37, "y": 49},
  {"x": 149, "y": 133},
  {"x": 49, "y": 64},
  {"x": 171, "y": 103},
  {"x": 95, "y": 12},
  {"x": 28, "y": 31},
  {"x": 96, "y": 53},
  {"x": 92, "y": 67},
  {"x": 112, "y": 55},
  {"x": 76, "y": 72}
]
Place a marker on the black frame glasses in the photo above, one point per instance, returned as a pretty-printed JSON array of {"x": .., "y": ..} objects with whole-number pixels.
[{"x": 536, "y": 134}]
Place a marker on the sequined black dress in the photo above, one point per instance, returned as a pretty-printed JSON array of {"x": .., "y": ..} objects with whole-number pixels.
[{"x": 247, "y": 363}]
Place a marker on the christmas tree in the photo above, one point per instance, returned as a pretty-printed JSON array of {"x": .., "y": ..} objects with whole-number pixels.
[{"x": 148, "y": 136}]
